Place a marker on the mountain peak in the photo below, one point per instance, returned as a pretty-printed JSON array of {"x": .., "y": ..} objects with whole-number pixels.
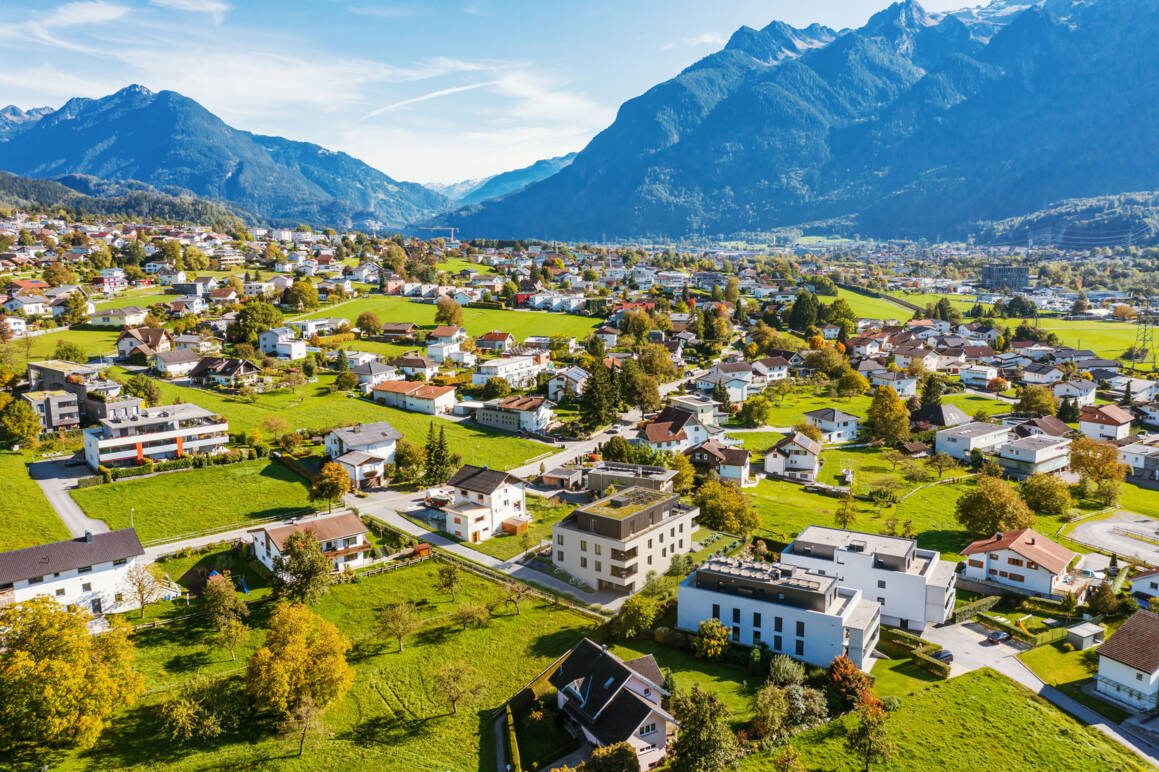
[
  {"x": 904, "y": 17},
  {"x": 133, "y": 89},
  {"x": 778, "y": 41}
]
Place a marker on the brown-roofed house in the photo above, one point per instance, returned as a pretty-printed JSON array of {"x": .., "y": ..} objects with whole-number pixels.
[
  {"x": 1023, "y": 560},
  {"x": 1129, "y": 663},
  {"x": 343, "y": 538}
]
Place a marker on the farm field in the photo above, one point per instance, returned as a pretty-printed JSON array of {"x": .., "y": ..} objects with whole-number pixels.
[
  {"x": 182, "y": 502},
  {"x": 317, "y": 407},
  {"x": 478, "y": 321},
  {"x": 27, "y": 518},
  {"x": 390, "y": 719},
  {"x": 952, "y": 724}
]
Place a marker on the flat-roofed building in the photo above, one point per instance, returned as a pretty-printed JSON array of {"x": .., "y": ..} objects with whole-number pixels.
[
  {"x": 1037, "y": 454},
  {"x": 612, "y": 543},
  {"x": 162, "y": 432},
  {"x": 58, "y": 410},
  {"x": 793, "y": 611},
  {"x": 961, "y": 441},
  {"x": 606, "y": 473},
  {"x": 914, "y": 587}
]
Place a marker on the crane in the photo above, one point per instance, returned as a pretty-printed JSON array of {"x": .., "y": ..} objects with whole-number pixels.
[{"x": 452, "y": 230}]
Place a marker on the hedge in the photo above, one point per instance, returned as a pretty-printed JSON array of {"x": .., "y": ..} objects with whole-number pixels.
[
  {"x": 330, "y": 340},
  {"x": 919, "y": 649},
  {"x": 513, "y": 743},
  {"x": 969, "y": 610},
  {"x": 90, "y": 482},
  {"x": 198, "y": 461}
]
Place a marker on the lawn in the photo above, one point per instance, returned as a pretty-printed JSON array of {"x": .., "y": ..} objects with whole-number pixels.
[
  {"x": 544, "y": 513},
  {"x": 869, "y": 307},
  {"x": 92, "y": 342},
  {"x": 390, "y": 719},
  {"x": 962, "y": 302},
  {"x": 317, "y": 407},
  {"x": 144, "y": 298},
  {"x": 792, "y": 409},
  {"x": 478, "y": 321},
  {"x": 869, "y": 469},
  {"x": 456, "y": 264},
  {"x": 1067, "y": 670},
  {"x": 28, "y": 519},
  {"x": 972, "y": 403},
  {"x": 980, "y": 718},
  {"x": 900, "y": 677},
  {"x": 168, "y": 505}
]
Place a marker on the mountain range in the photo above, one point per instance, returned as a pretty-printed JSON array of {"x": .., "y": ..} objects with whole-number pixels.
[
  {"x": 498, "y": 185},
  {"x": 172, "y": 143},
  {"x": 914, "y": 125}
]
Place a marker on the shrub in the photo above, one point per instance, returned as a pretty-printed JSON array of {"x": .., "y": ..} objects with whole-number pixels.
[
  {"x": 784, "y": 670},
  {"x": 1068, "y": 647},
  {"x": 890, "y": 702},
  {"x": 711, "y": 640}
]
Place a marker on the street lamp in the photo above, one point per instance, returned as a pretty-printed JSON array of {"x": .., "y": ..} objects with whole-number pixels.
[{"x": 132, "y": 511}]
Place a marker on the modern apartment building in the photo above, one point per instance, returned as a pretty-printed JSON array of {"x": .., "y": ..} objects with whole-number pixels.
[
  {"x": 58, "y": 410},
  {"x": 961, "y": 441},
  {"x": 793, "y": 611},
  {"x": 914, "y": 587},
  {"x": 520, "y": 372},
  {"x": 606, "y": 473},
  {"x": 162, "y": 432},
  {"x": 1005, "y": 276},
  {"x": 1037, "y": 454},
  {"x": 612, "y": 543},
  {"x": 516, "y": 413}
]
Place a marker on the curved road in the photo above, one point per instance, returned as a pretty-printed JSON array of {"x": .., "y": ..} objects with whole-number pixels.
[{"x": 56, "y": 480}]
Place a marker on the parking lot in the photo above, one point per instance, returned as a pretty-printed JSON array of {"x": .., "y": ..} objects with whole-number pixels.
[
  {"x": 967, "y": 642},
  {"x": 1112, "y": 535}
]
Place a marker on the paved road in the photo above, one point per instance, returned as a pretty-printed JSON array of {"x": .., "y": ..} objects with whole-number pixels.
[
  {"x": 56, "y": 480},
  {"x": 971, "y": 651},
  {"x": 1102, "y": 534}
]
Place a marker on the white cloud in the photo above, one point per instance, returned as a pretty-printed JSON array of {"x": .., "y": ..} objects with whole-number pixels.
[
  {"x": 384, "y": 11},
  {"x": 215, "y": 8},
  {"x": 432, "y": 95},
  {"x": 703, "y": 39},
  {"x": 82, "y": 13}
]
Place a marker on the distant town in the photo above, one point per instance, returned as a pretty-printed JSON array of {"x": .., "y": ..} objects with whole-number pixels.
[{"x": 429, "y": 503}]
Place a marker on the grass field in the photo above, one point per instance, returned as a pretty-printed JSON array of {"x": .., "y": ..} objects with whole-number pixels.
[
  {"x": 143, "y": 298},
  {"x": 872, "y": 308},
  {"x": 972, "y": 403},
  {"x": 390, "y": 719},
  {"x": 456, "y": 264},
  {"x": 980, "y": 718},
  {"x": 27, "y": 518},
  {"x": 961, "y": 302},
  {"x": 317, "y": 407},
  {"x": 93, "y": 342},
  {"x": 183, "y": 502},
  {"x": 478, "y": 321},
  {"x": 544, "y": 512},
  {"x": 1067, "y": 670}
]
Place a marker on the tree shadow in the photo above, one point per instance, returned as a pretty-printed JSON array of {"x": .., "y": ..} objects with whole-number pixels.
[
  {"x": 193, "y": 660},
  {"x": 943, "y": 540},
  {"x": 553, "y": 644},
  {"x": 433, "y": 636}
]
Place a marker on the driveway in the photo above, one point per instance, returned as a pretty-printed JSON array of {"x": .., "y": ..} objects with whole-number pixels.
[
  {"x": 56, "y": 480},
  {"x": 1111, "y": 535},
  {"x": 967, "y": 642}
]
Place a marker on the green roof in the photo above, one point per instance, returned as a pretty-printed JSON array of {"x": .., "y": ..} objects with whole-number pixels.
[{"x": 625, "y": 503}]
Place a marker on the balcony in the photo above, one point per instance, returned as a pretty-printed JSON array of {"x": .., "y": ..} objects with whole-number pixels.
[
  {"x": 622, "y": 556},
  {"x": 624, "y": 573}
]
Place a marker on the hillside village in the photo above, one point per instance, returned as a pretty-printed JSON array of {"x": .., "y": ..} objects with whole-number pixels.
[{"x": 735, "y": 490}]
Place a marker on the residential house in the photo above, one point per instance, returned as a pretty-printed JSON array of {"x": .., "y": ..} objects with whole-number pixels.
[
  {"x": 1024, "y": 561},
  {"x": 961, "y": 441},
  {"x": 399, "y": 330},
  {"x": 770, "y": 369},
  {"x": 414, "y": 396},
  {"x": 516, "y": 413},
  {"x": 520, "y": 372},
  {"x": 282, "y": 342},
  {"x": 796, "y": 457},
  {"x": 835, "y": 425},
  {"x": 612, "y": 701},
  {"x": 604, "y": 474},
  {"x": 415, "y": 364},
  {"x": 1145, "y": 585},
  {"x": 977, "y": 376},
  {"x": 378, "y": 438},
  {"x": 792, "y": 610},
  {"x": 60, "y": 306},
  {"x": 58, "y": 410},
  {"x": 200, "y": 344},
  {"x": 28, "y": 305},
  {"x": 914, "y": 587},
  {"x": 938, "y": 416},
  {"x": 1129, "y": 663},
  {"x": 90, "y": 572},
  {"x": 1105, "y": 422},
  {"x": 228, "y": 372},
  {"x": 615, "y": 541},
  {"x": 372, "y": 373},
  {"x": 1046, "y": 424},
  {"x": 485, "y": 502},
  {"x": 145, "y": 341},
  {"x": 156, "y": 433},
  {"x": 446, "y": 333},
  {"x": 129, "y": 316},
  {"x": 1041, "y": 375},
  {"x": 174, "y": 364},
  {"x": 608, "y": 334},
  {"x": 729, "y": 463},
  {"x": 1080, "y": 391},
  {"x": 904, "y": 384},
  {"x": 569, "y": 380},
  {"x": 495, "y": 341},
  {"x": 1039, "y": 454},
  {"x": 344, "y": 540}
]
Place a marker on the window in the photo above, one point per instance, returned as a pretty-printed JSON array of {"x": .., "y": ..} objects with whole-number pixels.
[
  {"x": 649, "y": 560},
  {"x": 1014, "y": 561},
  {"x": 648, "y": 728},
  {"x": 716, "y": 611},
  {"x": 756, "y": 619},
  {"x": 598, "y": 566},
  {"x": 736, "y": 632},
  {"x": 736, "y": 615},
  {"x": 599, "y": 548},
  {"x": 777, "y": 642},
  {"x": 881, "y": 584},
  {"x": 59, "y": 591},
  {"x": 881, "y": 601},
  {"x": 1138, "y": 676},
  {"x": 800, "y": 628},
  {"x": 86, "y": 587},
  {"x": 1017, "y": 577},
  {"x": 583, "y": 562},
  {"x": 559, "y": 555},
  {"x": 975, "y": 563},
  {"x": 35, "y": 579},
  {"x": 583, "y": 545},
  {"x": 1002, "y": 573},
  {"x": 559, "y": 539},
  {"x": 777, "y": 624},
  {"x": 993, "y": 555},
  {"x": 118, "y": 597},
  {"x": 799, "y": 649},
  {"x": 1032, "y": 564},
  {"x": 992, "y": 571},
  {"x": 756, "y": 637},
  {"x": 120, "y": 561}
]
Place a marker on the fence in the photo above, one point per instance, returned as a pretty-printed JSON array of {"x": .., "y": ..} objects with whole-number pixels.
[
  {"x": 226, "y": 528},
  {"x": 391, "y": 566}
]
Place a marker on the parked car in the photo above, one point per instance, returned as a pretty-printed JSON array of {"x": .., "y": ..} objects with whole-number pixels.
[
  {"x": 1112, "y": 571},
  {"x": 998, "y": 636},
  {"x": 943, "y": 655}
]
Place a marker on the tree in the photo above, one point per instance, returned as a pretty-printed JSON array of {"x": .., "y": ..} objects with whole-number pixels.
[
  {"x": 1037, "y": 400},
  {"x": 597, "y": 405},
  {"x": 711, "y": 641},
  {"x": 635, "y": 617},
  {"x": 20, "y": 422},
  {"x": 447, "y": 311},
  {"x": 868, "y": 739},
  {"x": 301, "y": 294},
  {"x": 618, "y": 757},
  {"x": 706, "y": 742},
  {"x": 144, "y": 388},
  {"x": 514, "y": 593},
  {"x": 932, "y": 390},
  {"x": 75, "y": 309},
  {"x": 807, "y": 706},
  {"x": 70, "y": 352},
  {"x": 1046, "y": 494},
  {"x": 332, "y": 483},
  {"x": 471, "y": 615},
  {"x": 1068, "y": 411},
  {"x": 893, "y": 458},
  {"x": 57, "y": 274},
  {"x": 851, "y": 383},
  {"x": 275, "y": 424},
  {"x": 847, "y": 683},
  {"x": 301, "y": 670},
  {"x": 301, "y": 572},
  {"x": 1103, "y": 599},
  {"x": 803, "y": 314},
  {"x": 368, "y": 323},
  {"x": 846, "y": 514},
  {"x": 1069, "y": 604},
  {"x": 755, "y": 412},
  {"x": 724, "y": 507},
  {"x": 61, "y": 685},
  {"x": 438, "y": 466},
  {"x": 887, "y": 418},
  {"x": 720, "y": 394},
  {"x": 788, "y": 760},
  {"x": 786, "y": 671},
  {"x": 769, "y": 708},
  {"x": 617, "y": 448},
  {"x": 685, "y": 474},
  {"x": 398, "y": 620},
  {"x": 940, "y": 462},
  {"x": 457, "y": 682},
  {"x": 225, "y": 610},
  {"x": 496, "y": 388},
  {"x": 1097, "y": 460},
  {"x": 449, "y": 578},
  {"x": 253, "y": 318},
  {"x": 141, "y": 583},
  {"x": 993, "y": 506},
  {"x": 199, "y": 710}
]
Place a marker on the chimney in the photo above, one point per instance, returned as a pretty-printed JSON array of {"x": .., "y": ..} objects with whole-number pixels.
[
  {"x": 89, "y": 536},
  {"x": 998, "y": 536}
]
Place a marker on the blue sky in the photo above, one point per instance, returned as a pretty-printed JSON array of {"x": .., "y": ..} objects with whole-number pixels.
[{"x": 438, "y": 90}]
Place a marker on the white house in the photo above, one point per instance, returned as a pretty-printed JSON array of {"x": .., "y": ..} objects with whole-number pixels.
[
  {"x": 914, "y": 587},
  {"x": 1145, "y": 584},
  {"x": 569, "y": 380},
  {"x": 1106, "y": 422},
  {"x": 1037, "y": 454},
  {"x": 960, "y": 441},
  {"x": 89, "y": 572},
  {"x": 415, "y": 364},
  {"x": 835, "y": 425},
  {"x": 520, "y": 372},
  {"x": 175, "y": 363},
  {"x": 485, "y": 502},
  {"x": 904, "y": 384},
  {"x": 1025, "y": 561},
  {"x": 796, "y": 457},
  {"x": 516, "y": 413},
  {"x": 770, "y": 369},
  {"x": 415, "y": 397},
  {"x": 1129, "y": 663},
  {"x": 282, "y": 342},
  {"x": 29, "y": 305},
  {"x": 1080, "y": 391},
  {"x": 1041, "y": 375},
  {"x": 977, "y": 376},
  {"x": 372, "y": 373},
  {"x": 614, "y": 701},
  {"x": 376, "y": 439},
  {"x": 343, "y": 539},
  {"x": 793, "y": 611}
]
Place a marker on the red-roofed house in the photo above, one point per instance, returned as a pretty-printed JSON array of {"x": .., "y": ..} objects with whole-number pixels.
[
  {"x": 1024, "y": 560},
  {"x": 1105, "y": 422}
]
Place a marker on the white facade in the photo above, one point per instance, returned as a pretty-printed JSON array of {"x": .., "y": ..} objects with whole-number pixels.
[
  {"x": 162, "y": 432},
  {"x": 377, "y": 439},
  {"x": 519, "y": 372},
  {"x": 477, "y": 515},
  {"x": 1008, "y": 568},
  {"x": 960, "y": 441},
  {"x": 343, "y": 538},
  {"x": 1127, "y": 685},
  {"x": 835, "y": 425},
  {"x": 977, "y": 376},
  {"x": 1081, "y": 392}
]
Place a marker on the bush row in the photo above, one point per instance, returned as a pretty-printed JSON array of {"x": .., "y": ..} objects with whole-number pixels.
[
  {"x": 198, "y": 461},
  {"x": 512, "y": 742},
  {"x": 968, "y": 611},
  {"x": 919, "y": 649}
]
